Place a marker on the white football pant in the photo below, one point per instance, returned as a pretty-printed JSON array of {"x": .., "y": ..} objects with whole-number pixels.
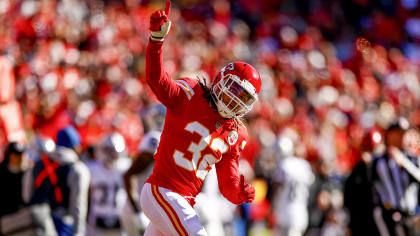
[{"x": 169, "y": 213}]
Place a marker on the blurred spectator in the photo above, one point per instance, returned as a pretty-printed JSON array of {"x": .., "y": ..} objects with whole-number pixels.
[
  {"x": 358, "y": 196},
  {"x": 12, "y": 168},
  {"x": 320, "y": 198},
  {"x": 61, "y": 180},
  {"x": 107, "y": 195}
]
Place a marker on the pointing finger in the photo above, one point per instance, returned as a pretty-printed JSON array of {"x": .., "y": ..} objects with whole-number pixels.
[{"x": 168, "y": 7}]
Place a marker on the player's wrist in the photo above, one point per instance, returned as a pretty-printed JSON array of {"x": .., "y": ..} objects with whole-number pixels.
[
  {"x": 156, "y": 38},
  {"x": 160, "y": 34},
  {"x": 155, "y": 41}
]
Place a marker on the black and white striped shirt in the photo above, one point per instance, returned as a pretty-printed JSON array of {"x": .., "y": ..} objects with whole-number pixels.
[{"x": 393, "y": 185}]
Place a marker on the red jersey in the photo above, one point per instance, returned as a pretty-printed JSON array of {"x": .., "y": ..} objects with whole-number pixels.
[{"x": 194, "y": 137}]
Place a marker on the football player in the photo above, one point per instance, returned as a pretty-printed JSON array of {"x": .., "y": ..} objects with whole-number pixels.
[
  {"x": 107, "y": 195},
  {"x": 291, "y": 183},
  {"x": 132, "y": 218},
  {"x": 202, "y": 128}
]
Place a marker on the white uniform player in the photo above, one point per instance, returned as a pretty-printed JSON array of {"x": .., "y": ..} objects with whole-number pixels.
[
  {"x": 214, "y": 210},
  {"x": 149, "y": 144},
  {"x": 295, "y": 176},
  {"x": 133, "y": 219},
  {"x": 107, "y": 195}
]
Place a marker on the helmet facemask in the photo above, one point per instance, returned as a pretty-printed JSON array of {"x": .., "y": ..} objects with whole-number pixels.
[{"x": 233, "y": 97}]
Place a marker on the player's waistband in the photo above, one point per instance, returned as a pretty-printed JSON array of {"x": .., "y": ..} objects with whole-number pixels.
[{"x": 173, "y": 186}]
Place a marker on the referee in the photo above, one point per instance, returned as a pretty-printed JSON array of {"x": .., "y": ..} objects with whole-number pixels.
[{"x": 395, "y": 190}]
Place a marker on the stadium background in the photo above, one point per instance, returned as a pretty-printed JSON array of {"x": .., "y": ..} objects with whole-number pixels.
[{"x": 333, "y": 72}]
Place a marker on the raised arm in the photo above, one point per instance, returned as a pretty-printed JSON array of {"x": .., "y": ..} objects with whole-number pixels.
[{"x": 161, "y": 83}]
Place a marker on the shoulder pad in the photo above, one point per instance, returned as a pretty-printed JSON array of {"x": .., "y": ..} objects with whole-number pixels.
[{"x": 187, "y": 85}]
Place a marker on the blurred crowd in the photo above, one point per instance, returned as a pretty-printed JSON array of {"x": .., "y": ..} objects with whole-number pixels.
[{"x": 337, "y": 76}]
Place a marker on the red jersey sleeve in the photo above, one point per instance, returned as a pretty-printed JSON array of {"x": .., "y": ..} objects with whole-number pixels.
[
  {"x": 168, "y": 91},
  {"x": 227, "y": 170}
]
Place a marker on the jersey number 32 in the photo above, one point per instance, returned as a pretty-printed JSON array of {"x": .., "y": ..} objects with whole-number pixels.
[{"x": 200, "y": 164}]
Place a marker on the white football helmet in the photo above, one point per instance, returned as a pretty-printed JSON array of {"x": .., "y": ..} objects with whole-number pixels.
[{"x": 111, "y": 148}]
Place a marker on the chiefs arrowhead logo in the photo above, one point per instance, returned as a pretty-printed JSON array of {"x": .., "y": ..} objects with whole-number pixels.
[{"x": 232, "y": 137}]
